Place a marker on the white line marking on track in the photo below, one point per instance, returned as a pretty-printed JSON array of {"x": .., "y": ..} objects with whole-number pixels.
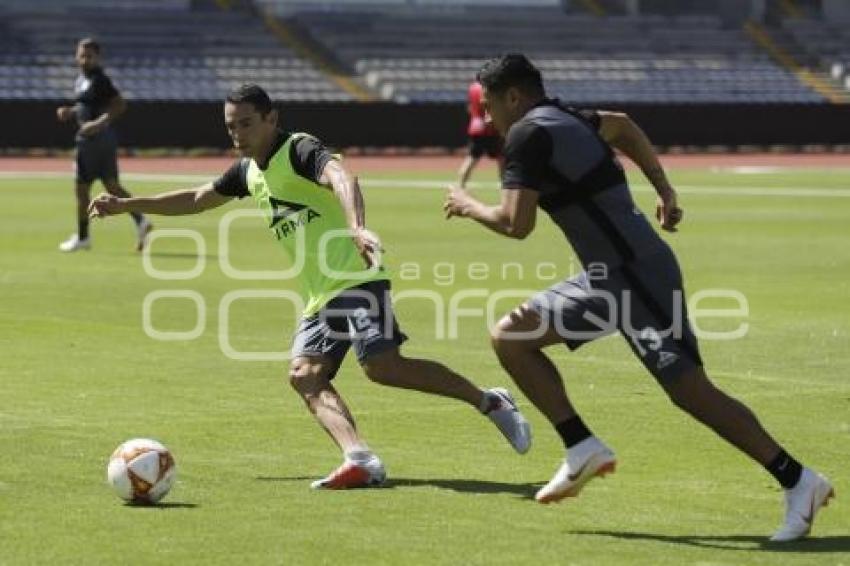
[{"x": 437, "y": 184}]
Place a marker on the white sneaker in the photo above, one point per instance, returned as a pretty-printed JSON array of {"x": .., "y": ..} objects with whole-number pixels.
[
  {"x": 74, "y": 243},
  {"x": 586, "y": 460},
  {"x": 802, "y": 502},
  {"x": 354, "y": 474},
  {"x": 508, "y": 419},
  {"x": 142, "y": 230}
]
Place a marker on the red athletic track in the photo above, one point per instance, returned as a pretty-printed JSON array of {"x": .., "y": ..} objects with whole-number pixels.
[{"x": 213, "y": 165}]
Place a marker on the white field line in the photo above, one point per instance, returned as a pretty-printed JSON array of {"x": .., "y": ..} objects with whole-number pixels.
[{"x": 432, "y": 184}]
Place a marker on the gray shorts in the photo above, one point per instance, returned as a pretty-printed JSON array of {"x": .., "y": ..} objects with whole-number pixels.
[
  {"x": 361, "y": 316},
  {"x": 643, "y": 300},
  {"x": 97, "y": 158}
]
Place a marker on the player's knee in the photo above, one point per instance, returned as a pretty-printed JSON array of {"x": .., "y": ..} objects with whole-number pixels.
[
  {"x": 306, "y": 375},
  {"x": 382, "y": 368},
  {"x": 506, "y": 336},
  {"x": 689, "y": 391}
]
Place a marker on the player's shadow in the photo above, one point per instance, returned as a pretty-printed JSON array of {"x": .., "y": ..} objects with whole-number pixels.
[
  {"x": 733, "y": 542},
  {"x": 523, "y": 490},
  {"x": 181, "y": 255},
  {"x": 162, "y": 506}
]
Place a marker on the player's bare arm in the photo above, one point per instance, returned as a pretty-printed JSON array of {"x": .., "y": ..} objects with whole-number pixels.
[
  {"x": 117, "y": 106},
  {"x": 622, "y": 133},
  {"x": 514, "y": 217},
  {"x": 174, "y": 203},
  {"x": 347, "y": 189}
]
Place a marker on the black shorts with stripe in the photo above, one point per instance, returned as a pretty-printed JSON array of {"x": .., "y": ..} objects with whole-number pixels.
[
  {"x": 643, "y": 300},
  {"x": 97, "y": 158}
]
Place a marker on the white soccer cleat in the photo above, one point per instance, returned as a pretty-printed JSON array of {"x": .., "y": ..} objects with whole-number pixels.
[
  {"x": 351, "y": 475},
  {"x": 142, "y": 231},
  {"x": 508, "y": 419},
  {"x": 802, "y": 502},
  {"x": 74, "y": 243},
  {"x": 585, "y": 461}
]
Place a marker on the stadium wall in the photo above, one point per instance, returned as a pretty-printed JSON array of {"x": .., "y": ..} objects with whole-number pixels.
[{"x": 31, "y": 124}]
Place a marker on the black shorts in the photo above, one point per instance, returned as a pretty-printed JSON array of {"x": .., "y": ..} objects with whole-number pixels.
[
  {"x": 644, "y": 301},
  {"x": 361, "y": 316},
  {"x": 97, "y": 158},
  {"x": 491, "y": 145}
]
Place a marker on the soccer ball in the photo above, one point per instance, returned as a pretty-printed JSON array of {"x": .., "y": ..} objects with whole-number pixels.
[{"x": 141, "y": 471}]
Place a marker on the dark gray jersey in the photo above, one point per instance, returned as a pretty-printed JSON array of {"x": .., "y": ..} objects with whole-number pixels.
[
  {"x": 557, "y": 151},
  {"x": 93, "y": 92}
]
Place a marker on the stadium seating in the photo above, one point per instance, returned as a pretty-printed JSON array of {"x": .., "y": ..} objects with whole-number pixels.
[
  {"x": 431, "y": 55},
  {"x": 151, "y": 55},
  {"x": 828, "y": 44},
  {"x": 402, "y": 50}
]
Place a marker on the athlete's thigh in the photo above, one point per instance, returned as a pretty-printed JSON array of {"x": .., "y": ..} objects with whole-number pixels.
[
  {"x": 372, "y": 326},
  {"x": 85, "y": 163},
  {"x": 575, "y": 311},
  {"x": 654, "y": 318},
  {"x": 524, "y": 327},
  {"x": 315, "y": 340},
  {"x": 320, "y": 366}
]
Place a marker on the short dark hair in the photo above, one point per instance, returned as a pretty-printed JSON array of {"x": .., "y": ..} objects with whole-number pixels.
[
  {"x": 252, "y": 94},
  {"x": 89, "y": 43},
  {"x": 511, "y": 70}
]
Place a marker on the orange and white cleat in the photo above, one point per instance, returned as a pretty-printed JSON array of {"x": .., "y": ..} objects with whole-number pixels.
[
  {"x": 351, "y": 475},
  {"x": 586, "y": 460}
]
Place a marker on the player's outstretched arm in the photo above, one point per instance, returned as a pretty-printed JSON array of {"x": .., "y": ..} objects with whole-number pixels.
[
  {"x": 514, "y": 217},
  {"x": 175, "y": 203},
  {"x": 620, "y": 131}
]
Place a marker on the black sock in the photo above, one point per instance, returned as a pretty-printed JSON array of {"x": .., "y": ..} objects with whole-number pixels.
[
  {"x": 573, "y": 431},
  {"x": 785, "y": 469},
  {"x": 137, "y": 218},
  {"x": 83, "y": 229}
]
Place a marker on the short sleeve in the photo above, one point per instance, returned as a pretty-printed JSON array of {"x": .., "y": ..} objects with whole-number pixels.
[
  {"x": 590, "y": 116},
  {"x": 528, "y": 152},
  {"x": 103, "y": 88},
  {"x": 309, "y": 157},
  {"x": 233, "y": 182}
]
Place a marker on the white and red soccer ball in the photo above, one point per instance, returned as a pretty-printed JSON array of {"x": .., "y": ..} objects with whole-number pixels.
[{"x": 141, "y": 471}]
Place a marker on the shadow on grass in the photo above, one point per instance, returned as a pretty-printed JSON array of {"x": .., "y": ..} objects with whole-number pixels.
[
  {"x": 734, "y": 542},
  {"x": 178, "y": 255},
  {"x": 524, "y": 490},
  {"x": 163, "y": 505}
]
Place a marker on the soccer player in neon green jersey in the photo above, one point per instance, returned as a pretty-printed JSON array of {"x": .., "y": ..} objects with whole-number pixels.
[{"x": 309, "y": 199}]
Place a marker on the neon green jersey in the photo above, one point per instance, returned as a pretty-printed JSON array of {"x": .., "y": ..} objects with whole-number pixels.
[{"x": 309, "y": 223}]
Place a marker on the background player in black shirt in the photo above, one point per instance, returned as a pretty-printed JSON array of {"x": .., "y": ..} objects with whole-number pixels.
[
  {"x": 97, "y": 104},
  {"x": 561, "y": 160}
]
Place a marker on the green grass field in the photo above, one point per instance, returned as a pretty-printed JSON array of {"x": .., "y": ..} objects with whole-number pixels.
[{"x": 79, "y": 375}]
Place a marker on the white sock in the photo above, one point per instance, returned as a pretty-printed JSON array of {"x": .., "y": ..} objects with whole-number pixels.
[{"x": 359, "y": 454}]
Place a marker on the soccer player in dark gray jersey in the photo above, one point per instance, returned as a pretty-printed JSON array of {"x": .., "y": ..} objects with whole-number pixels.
[
  {"x": 561, "y": 160},
  {"x": 97, "y": 104}
]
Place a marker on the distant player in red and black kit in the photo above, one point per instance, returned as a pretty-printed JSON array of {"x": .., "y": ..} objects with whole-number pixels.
[
  {"x": 97, "y": 105},
  {"x": 483, "y": 137}
]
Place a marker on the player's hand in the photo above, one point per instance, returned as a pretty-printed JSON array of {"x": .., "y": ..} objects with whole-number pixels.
[
  {"x": 667, "y": 210},
  {"x": 91, "y": 128},
  {"x": 106, "y": 205},
  {"x": 64, "y": 113},
  {"x": 457, "y": 202},
  {"x": 369, "y": 246}
]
